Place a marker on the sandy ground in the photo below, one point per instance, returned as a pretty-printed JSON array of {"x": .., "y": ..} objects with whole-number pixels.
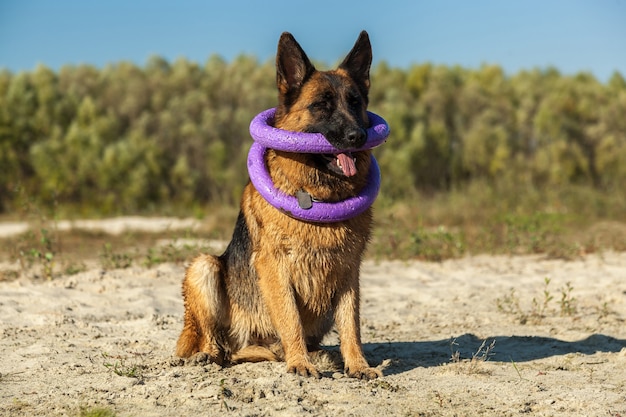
[{"x": 106, "y": 339}]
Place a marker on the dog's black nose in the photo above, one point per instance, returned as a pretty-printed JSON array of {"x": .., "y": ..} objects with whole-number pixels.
[{"x": 356, "y": 137}]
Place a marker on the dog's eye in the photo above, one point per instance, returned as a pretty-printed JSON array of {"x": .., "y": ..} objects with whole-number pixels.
[
  {"x": 320, "y": 105},
  {"x": 354, "y": 100}
]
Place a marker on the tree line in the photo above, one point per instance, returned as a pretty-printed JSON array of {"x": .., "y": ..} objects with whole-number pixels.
[{"x": 128, "y": 139}]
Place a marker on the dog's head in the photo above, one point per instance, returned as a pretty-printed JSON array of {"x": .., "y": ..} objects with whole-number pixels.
[{"x": 332, "y": 103}]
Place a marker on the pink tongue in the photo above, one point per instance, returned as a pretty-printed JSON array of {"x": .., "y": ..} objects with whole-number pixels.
[{"x": 347, "y": 164}]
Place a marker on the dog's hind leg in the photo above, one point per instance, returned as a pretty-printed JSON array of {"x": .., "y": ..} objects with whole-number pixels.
[
  {"x": 205, "y": 309},
  {"x": 255, "y": 353}
]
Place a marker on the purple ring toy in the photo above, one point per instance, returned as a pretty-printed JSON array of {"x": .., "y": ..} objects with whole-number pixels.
[
  {"x": 320, "y": 212},
  {"x": 266, "y": 136}
]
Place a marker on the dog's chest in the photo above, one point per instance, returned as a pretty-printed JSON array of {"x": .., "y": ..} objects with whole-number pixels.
[
  {"x": 317, "y": 275},
  {"x": 321, "y": 259},
  {"x": 318, "y": 245}
]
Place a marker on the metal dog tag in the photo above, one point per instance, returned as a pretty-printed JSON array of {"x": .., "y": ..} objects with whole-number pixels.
[{"x": 304, "y": 200}]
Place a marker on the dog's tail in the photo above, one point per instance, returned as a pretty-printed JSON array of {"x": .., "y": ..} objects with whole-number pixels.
[{"x": 205, "y": 307}]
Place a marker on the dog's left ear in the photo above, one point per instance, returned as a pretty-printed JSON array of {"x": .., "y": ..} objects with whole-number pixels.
[{"x": 359, "y": 60}]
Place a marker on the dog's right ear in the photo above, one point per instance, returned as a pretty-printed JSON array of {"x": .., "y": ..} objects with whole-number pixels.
[
  {"x": 293, "y": 67},
  {"x": 359, "y": 60}
]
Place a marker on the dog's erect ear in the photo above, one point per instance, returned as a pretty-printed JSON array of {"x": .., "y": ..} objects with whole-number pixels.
[
  {"x": 293, "y": 67},
  {"x": 359, "y": 60}
]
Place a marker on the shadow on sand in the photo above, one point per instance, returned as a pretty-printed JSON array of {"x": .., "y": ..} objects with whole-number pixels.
[{"x": 409, "y": 355}]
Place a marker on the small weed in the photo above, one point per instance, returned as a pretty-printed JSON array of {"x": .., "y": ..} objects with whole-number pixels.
[
  {"x": 517, "y": 370},
  {"x": 121, "y": 368},
  {"x": 173, "y": 251},
  {"x": 455, "y": 355},
  {"x": 225, "y": 393},
  {"x": 531, "y": 233},
  {"x": 473, "y": 364},
  {"x": 604, "y": 310},
  {"x": 385, "y": 385},
  {"x": 539, "y": 308},
  {"x": 17, "y": 405},
  {"x": 9, "y": 275},
  {"x": 438, "y": 399},
  {"x": 510, "y": 304},
  {"x": 177, "y": 253},
  {"x": 112, "y": 260},
  {"x": 74, "y": 268},
  {"x": 152, "y": 258},
  {"x": 484, "y": 352},
  {"x": 37, "y": 249},
  {"x": 41, "y": 252},
  {"x": 438, "y": 244},
  {"x": 567, "y": 303},
  {"x": 96, "y": 412}
]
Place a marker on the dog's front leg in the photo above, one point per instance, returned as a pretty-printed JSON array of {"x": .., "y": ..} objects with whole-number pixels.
[
  {"x": 280, "y": 301},
  {"x": 348, "y": 325}
]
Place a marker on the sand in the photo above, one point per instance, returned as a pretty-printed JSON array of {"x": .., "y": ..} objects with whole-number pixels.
[{"x": 451, "y": 338}]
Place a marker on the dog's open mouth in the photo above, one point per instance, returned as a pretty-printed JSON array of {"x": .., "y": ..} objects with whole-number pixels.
[{"x": 343, "y": 163}]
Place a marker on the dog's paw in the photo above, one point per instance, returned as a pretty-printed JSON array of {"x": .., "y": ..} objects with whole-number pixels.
[
  {"x": 303, "y": 369},
  {"x": 366, "y": 373},
  {"x": 203, "y": 358}
]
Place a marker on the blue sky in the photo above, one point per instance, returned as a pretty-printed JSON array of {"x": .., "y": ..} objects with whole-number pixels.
[{"x": 571, "y": 35}]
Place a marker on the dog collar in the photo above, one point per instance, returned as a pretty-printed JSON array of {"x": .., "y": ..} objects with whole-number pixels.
[{"x": 266, "y": 136}]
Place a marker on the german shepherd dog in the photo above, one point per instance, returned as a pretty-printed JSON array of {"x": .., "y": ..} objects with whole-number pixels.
[{"x": 282, "y": 283}]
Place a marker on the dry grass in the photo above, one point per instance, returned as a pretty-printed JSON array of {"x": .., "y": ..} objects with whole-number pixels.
[
  {"x": 564, "y": 223},
  {"x": 541, "y": 306},
  {"x": 474, "y": 364}
]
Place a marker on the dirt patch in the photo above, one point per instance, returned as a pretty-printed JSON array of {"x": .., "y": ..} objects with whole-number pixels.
[{"x": 474, "y": 336}]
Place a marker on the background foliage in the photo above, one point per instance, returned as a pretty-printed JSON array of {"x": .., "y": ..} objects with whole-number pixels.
[{"x": 128, "y": 139}]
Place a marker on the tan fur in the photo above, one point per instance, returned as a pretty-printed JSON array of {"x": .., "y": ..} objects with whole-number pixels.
[{"x": 307, "y": 273}]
